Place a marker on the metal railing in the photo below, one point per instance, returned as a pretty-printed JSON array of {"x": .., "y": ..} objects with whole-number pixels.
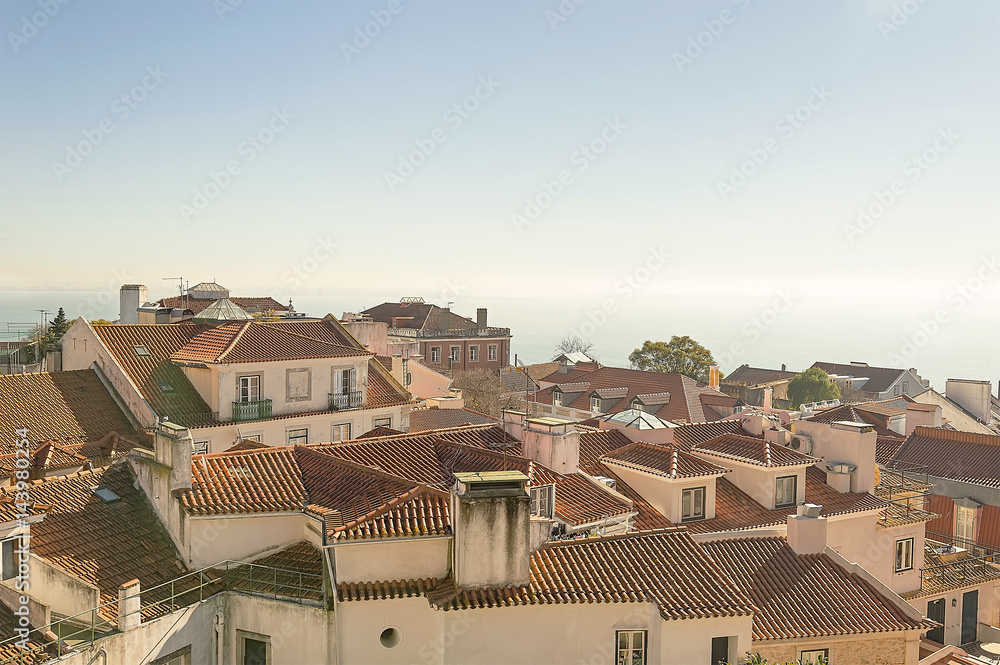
[
  {"x": 967, "y": 569},
  {"x": 244, "y": 411},
  {"x": 84, "y": 629},
  {"x": 904, "y": 510},
  {"x": 344, "y": 401},
  {"x": 976, "y": 548}
]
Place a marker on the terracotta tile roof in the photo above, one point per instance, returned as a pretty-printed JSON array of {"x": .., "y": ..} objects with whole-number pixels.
[
  {"x": 750, "y": 450},
  {"x": 297, "y": 570},
  {"x": 735, "y": 510},
  {"x": 517, "y": 380},
  {"x": 989, "y": 526},
  {"x": 684, "y": 405},
  {"x": 579, "y": 501},
  {"x": 945, "y": 507},
  {"x": 434, "y": 418},
  {"x": 665, "y": 461},
  {"x": 33, "y": 652},
  {"x": 879, "y": 378},
  {"x": 252, "y": 342},
  {"x": 595, "y": 445},
  {"x": 665, "y": 568},
  {"x": 357, "y": 591},
  {"x": 153, "y": 372},
  {"x": 886, "y": 448},
  {"x": 379, "y": 431},
  {"x": 105, "y": 544},
  {"x": 690, "y": 435},
  {"x": 246, "y": 444},
  {"x": 252, "y": 481},
  {"x": 613, "y": 393},
  {"x": 383, "y": 390},
  {"x": 962, "y": 456},
  {"x": 65, "y": 407},
  {"x": 422, "y": 316},
  {"x": 326, "y": 330},
  {"x": 800, "y": 596},
  {"x": 752, "y": 376},
  {"x": 940, "y": 575},
  {"x": 881, "y": 408},
  {"x": 575, "y": 387},
  {"x": 48, "y": 456},
  {"x": 421, "y": 512}
]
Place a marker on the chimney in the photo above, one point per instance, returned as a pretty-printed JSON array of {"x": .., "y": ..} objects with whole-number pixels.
[
  {"x": 513, "y": 423},
  {"x": 713, "y": 377},
  {"x": 753, "y": 423},
  {"x": 778, "y": 435},
  {"x": 852, "y": 444},
  {"x": 553, "y": 443},
  {"x": 768, "y": 396},
  {"x": 444, "y": 319},
  {"x": 481, "y": 318},
  {"x": 129, "y": 604},
  {"x": 173, "y": 447},
  {"x": 973, "y": 396},
  {"x": 491, "y": 517},
  {"x": 130, "y": 298},
  {"x": 807, "y": 530},
  {"x": 917, "y": 415},
  {"x": 783, "y": 367}
]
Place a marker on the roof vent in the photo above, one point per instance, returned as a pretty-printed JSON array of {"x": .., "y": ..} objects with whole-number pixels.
[
  {"x": 610, "y": 482},
  {"x": 810, "y": 510},
  {"x": 106, "y": 495}
]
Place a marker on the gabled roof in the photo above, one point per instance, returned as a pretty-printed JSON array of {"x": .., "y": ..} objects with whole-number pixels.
[
  {"x": 880, "y": 379},
  {"x": 752, "y": 376},
  {"x": 962, "y": 456},
  {"x": 252, "y": 342},
  {"x": 665, "y": 461},
  {"x": 63, "y": 407},
  {"x": 422, "y": 316},
  {"x": 106, "y": 544},
  {"x": 750, "y": 450},
  {"x": 689, "y": 435},
  {"x": 665, "y": 568},
  {"x": 434, "y": 418},
  {"x": 578, "y": 500},
  {"x": 806, "y": 595},
  {"x": 196, "y": 305}
]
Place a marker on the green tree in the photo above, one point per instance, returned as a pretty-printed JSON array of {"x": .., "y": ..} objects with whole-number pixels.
[
  {"x": 59, "y": 326},
  {"x": 812, "y": 385},
  {"x": 681, "y": 355}
]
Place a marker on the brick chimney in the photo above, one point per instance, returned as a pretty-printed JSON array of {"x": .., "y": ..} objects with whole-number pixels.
[
  {"x": 481, "y": 318},
  {"x": 553, "y": 443},
  {"x": 491, "y": 517}
]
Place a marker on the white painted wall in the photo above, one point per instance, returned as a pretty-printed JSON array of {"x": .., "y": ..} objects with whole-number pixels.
[
  {"x": 403, "y": 559},
  {"x": 242, "y": 537},
  {"x": 858, "y": 539},
  {"x": 664, "y": 494}
]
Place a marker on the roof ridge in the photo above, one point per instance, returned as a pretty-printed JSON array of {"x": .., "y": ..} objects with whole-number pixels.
[
  {"x": 350, "y": 464},
  {"x": 406, "y": 497},
  {"x": 270, "y": 325},
  {"x": 244, "y": 326},
  {"x": 631, "y": 535}
]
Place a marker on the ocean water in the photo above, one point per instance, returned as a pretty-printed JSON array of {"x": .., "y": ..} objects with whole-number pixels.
[{"x": 940, "y": 338}]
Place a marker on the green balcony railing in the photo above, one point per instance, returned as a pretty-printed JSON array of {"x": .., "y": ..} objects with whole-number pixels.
[{"x": 244, "y": 411}]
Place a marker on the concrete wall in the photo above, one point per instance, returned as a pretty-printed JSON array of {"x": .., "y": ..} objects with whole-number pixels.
[
  {"x": 62, "y": 592},
  {"x": 759, "y": 481},
  {"x": 426, "y": 383},
  {"x": 952, "y": 414},
  {"x": 572, "y": 633},
  {"x": 855, "y": 650},
  {"x": 858, "y": 539},
  {"x": 412, "y": 558},
  {"x": 840, "y": 445},
  {"x": 242, "y": 537},
  {"x": 973, "y": 396}
]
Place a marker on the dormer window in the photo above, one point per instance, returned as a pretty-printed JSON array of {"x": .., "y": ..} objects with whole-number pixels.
[
  {"x": 693, "y": 504},
  {"x": 557, "y": 398},
  {"x": 595, "y": 403},
  {"x": 543, "y": 500},
  {"x": 784, "y": 492},
  {"x": 140, "y": 350},
  {"x": 637, "y": 405}
]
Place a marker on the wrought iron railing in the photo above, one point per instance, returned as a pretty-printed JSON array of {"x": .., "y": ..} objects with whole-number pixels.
[
  {"x": 344, "y": 401},
  {"x": 84, "y": 629},
  {"x": 968, "y": 568},
  {"x": 244, "y": 411}
]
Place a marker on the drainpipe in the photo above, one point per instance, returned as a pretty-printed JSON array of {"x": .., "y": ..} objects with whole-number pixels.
[{"x": 220, "y": 632}]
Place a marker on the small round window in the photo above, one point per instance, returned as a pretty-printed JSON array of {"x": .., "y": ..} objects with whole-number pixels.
[{"x": 390, "y": 637}]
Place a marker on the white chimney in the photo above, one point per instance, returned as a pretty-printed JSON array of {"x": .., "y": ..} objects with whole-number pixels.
[
  {"x": 491, "y": 518},
  {"x": 553, "y": 443},
  {"x": 173, "y": 448},
  {"x": 130, "y": 298},
  {"x": 768, "y": 396},
  {"x": 921, "y": 415},
  {"x": 807, "y": 531}
]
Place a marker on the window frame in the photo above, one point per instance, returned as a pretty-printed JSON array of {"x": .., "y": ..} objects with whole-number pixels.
[
  {"x": 595, "y": 404},
  {"x": 455, "y": 353},
  {"x": 293, "y": 439},
  {"x": 694, "y": 517},
  {"x": 825, "y": 653},
  {"x": 473, "y": 353},
  {"x": 252, "y": 388},
  {"x": 14, "y": 544},
  {"x": 538, "y": 493},
  {"x": 382, "y": 422},
  {"x": 335, "y": 426},
  {"x": 557, "y": 397},
  {"x": 895, "y": 390},
  {"x": 795, "y": 491},
  {"x": 242, "y": 636},
  {"x": 907, "y": 549},
  {"x": 626, "y": 655},
  {"x": 436, "y": 354},
  {"x": 971, "y": 512},
  {"x": 491, "y": 353}
]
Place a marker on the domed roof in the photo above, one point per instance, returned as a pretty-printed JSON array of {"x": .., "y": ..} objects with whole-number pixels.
[{"x": 222, "y": 310}]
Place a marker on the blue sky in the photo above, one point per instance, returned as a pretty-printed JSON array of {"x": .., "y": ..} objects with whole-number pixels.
[{"x": 887, "y": 96}]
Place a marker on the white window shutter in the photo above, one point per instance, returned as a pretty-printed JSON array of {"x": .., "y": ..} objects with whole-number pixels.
[{"x": 354, "y": 379}]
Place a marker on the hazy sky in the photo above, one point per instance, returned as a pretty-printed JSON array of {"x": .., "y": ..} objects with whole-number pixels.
[{"x": 841, "y": 104}]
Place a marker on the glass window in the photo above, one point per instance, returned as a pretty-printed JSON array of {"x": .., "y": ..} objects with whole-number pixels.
[
  {"x": 720, "y": 651},
  {"x": 435, "y": 354},
  {"x": 557, "y": 398},
  {"x": 341, "y": 432},
  {"x": 491, "y": 352},
  {"x": 542, "y": 501},
  {"x": 249, "y": 388},
  {"x": 382, "y": 422},
  {"x": 693, "y": 504},
  {"x": 784, "y": 491},
  {"x": 815, "y": 656},
  {"x": 904, "y": 555},
  {"x": 254, "y": 652},
  {"x": 895, "y": 390},
  {"x": 298, "y": 436},
  {"x": 631, "y": 647},
  {"x": 595, "y": 403},
  {"x": 456, "y": 352},
  {"x": 965, "y": 523},
  {"x": 906, "y": 386},
  {"x": 201, "y": 447},
  {"x": 473, "y": 354},
  {"x": 8, "y": 560}
]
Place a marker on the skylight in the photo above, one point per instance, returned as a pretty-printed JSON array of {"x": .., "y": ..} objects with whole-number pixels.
[
  {"x": 140, "y": 350},
  {"x": 165, "y": 387},
  {"x": 106, "y": 495}
]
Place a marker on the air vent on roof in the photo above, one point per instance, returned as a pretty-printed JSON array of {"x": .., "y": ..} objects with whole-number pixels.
[
  {"x": 140, "y": 350},
  {"x": 610, "y": 482},
  {"x": 165, "y": 387},
  {"x": 106, "y": 495}
]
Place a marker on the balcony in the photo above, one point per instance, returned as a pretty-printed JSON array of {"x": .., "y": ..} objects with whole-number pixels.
[
  {"x": 246, "y": 411},
  {"x": 346, "y": 401}
]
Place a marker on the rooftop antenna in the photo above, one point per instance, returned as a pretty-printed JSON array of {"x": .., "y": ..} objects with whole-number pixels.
[{"x": 180, "y": 288}]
